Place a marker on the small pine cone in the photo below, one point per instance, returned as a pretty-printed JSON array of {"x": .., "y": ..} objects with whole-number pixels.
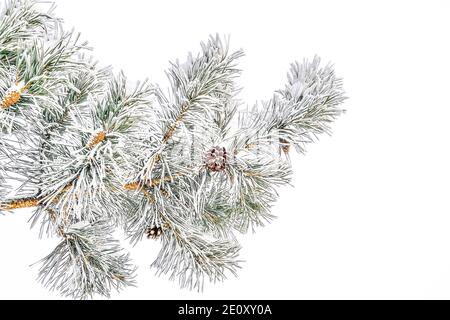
[
  {"x": 12, "y": 96},
  {"x": 285, "y": 146},
  {"x": 154, "y": 232},
  {"x": 216, "y": 159}
]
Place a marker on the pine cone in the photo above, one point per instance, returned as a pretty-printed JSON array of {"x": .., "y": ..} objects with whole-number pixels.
[
  {"x": 285, "y": 146},
  {"x": 216, "y": 159},
  {"x": 154, "y": 232}
]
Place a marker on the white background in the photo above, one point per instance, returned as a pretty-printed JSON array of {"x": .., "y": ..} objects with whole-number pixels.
[{"x": 369, "y": 215}]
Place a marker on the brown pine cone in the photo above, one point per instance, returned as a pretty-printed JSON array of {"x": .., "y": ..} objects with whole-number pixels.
[{"x": 216, "y": 159}]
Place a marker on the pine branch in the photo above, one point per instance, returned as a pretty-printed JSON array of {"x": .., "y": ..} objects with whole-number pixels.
[
  {"x": 91, "y": 154},
  {"x": 29, "y": 88},
  {"x": 21, "y": 22},
  {"x": 297, "y": 114},
  {"x": 199, "y": 89},
  {"x": 191, "y": 258},
  {"x": 88, "y": 261}
]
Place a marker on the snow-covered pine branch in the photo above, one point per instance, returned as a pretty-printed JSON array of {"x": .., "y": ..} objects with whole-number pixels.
[
  {"x": 200, "y": 89},
  {"x": 191, "y": 258},
  {"x": 191, "y": 167},
  {"x": 297, "y": 114},
  {"x": 87, "y": 261},
  {"x": 22, "y": 22}
]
